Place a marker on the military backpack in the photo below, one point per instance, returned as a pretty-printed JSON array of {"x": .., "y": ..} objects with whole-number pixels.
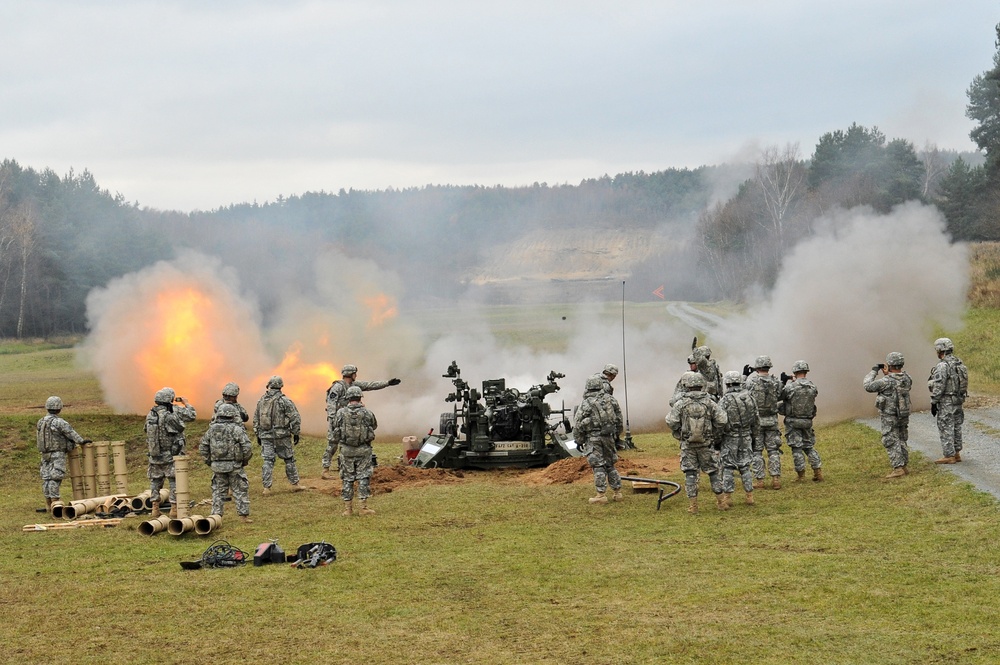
[{"x": 696, "y": 424}]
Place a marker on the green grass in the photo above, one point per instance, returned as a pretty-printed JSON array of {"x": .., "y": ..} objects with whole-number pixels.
[{"x": 493, "y": 569}]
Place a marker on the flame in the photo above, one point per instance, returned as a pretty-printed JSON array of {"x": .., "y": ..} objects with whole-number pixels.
[
  {"x": 303, "y": 381},
  {"x": 382, "y": 308}
]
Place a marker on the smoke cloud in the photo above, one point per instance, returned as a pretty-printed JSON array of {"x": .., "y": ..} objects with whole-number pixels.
[{"x": 864, "y": 285}]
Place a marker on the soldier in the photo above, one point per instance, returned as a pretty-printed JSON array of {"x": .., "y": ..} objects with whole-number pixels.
[
  {"x": 949, "y": 386},
  {"x": 740, "y": 434},
  {"x": 55, "y": 439},
  {"x": 165, "y": 440},
  {"x": 893, "y": 404},
  {"x": 230, "y": 393},
  {"x": 598, "y": 424},
  {"x": 766, "y": 391},
  {"x": 353, "y": 430},
  {"x": 697, "y": 421},
  {"x": 679, "y": 389},
  {"x": 798, "y": 405},
  {"x": 226, "y": 448},
  {"x": 276, "y": 422},
  {"x": 606, "y": 376},
  {"x": 336, "y": 399},
  {"x": 710, "y": 370}
]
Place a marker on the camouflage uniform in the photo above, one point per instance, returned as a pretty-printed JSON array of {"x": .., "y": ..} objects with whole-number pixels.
[
  {"x": 226, "y": 448},
  {"x": 605, "y": 376},
  {"x": 947, "y": 397},
  {"x": 55, "y": 439},
  {"x": 740, "y": 434},
  {"x": 766, "y": 391},
  {"x": 710, "y": 370},
  {"x": 893, "y": 404},
  {"x": 165, "y": 440},
  {"x": 244, "y": 416},
  {"x": 598, "y": 424},
  {"x": 698, "y": 456},
  {"x": 798, "y": 405},
  {"x": 336, "y": 399},
  {"x": 277, "y": 423},
  {"x": 353, "y": 430}
]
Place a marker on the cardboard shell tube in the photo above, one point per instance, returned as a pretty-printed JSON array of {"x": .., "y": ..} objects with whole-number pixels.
[
  {"x": 182, "y": 524},
  {"x": 76, "y": 472},
  {"x": 89, "y": 472},
  {"x": 207, "y": 525},
  {"x": 182, "y": 489},
  {"x": 103, "y": 467},
  {"x": 154, "y": 526},
  {"x": 120, "y": 466}
]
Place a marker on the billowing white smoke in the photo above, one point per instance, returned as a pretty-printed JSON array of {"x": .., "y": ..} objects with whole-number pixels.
[{"x": 863, "y": 286}]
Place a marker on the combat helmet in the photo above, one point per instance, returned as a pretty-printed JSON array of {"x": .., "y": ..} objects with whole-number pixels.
[
  {"x": 230, "y": 390},
  {"x": 164, "y": 396},
  {"x": 732, "y": 379},
  {"x": 763, "y": 362},
  {"x": 227, "y": 411},
  {"x": 53, "y": 403},
  {"x": 703, "y": 351},
  {"x": 275, "y": 383},
  {"x": 894, "y": 359},
  {"x": 943, "y": 345},
  {"x": 800, "y": 366},
  {"x": 610, "y": 370},
  {"x": 694, "y": 381},
  {"x": 348, "y": 370},
  {"x": 593, "y": 384},
  {"x": 353, "y": 393}
]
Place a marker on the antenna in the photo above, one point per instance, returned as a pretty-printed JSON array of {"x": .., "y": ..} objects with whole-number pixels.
[{"x": 628, "y": 432}]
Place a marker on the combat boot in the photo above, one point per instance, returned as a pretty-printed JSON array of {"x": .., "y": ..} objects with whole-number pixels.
[
  {"x": 348, "y": 509},
  {"x": 693, "y": 505},
  {"x": 246, "y": 519},
  {"x": 750, "y": 500},
  {"x": 958, "y": 455},
  {"x": 945, "y": 460},
  {"x": 326, "y": 475},
  {"x": 266, "y": 491},
  {"x": 776, "y": 482},
  {"x": 48, "y": 505},
  {"x": 599, "y": 499},
  {"x": 617, "y": 496},
  {"x": 156, "y": 510},
  {"x": 173, "y": 511},
  {"x": 364, "y": 509},
  {"x": 758, "y": 483},
  {"x": 801, "y": 476},
  {"x": 722, "y": 501},
  {"x": 817, "y": 475},
  {"x": 297, "y": 488},
  {"x": 898, "y": 472},
  {"x": 906, "y": 471}
]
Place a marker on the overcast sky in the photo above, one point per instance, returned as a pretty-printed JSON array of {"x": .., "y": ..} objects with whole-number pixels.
[{"x": 194, "y": 105}]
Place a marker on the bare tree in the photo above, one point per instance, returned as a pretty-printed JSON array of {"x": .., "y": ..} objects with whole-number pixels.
[
  {"x": 935, "y": 167},
  {"x": 24, "y": 227},
  {"x": 781, "y": 177}
]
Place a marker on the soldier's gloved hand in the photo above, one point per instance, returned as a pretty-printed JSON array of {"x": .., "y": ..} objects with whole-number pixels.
[
  {"x": 85, "y": 441},
  {"x": 747, "y": 370},
  {"x": 785, "y": 378},
  {"x": 933, "y": 409},
  {"x": 876, "y": 368},
  {"x": 295, "y": 439},
  {"x": 394, "y": 382}
]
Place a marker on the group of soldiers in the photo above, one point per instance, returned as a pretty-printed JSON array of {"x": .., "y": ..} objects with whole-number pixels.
[
  {"x": 727, "y": 423},
  {"x": 226, "y": 445}
]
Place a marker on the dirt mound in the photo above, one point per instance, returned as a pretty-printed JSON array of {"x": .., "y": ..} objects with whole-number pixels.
[{"x": 571, "y": 470}]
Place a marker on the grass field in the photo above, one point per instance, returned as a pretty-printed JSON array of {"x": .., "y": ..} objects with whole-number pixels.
[{"x": 489, "y": 568}]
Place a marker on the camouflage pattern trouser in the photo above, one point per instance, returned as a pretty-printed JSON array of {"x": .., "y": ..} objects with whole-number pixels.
[
  {"x": 270, "y": 450},
  {"x": 702, "y": 458},
  {"x": 895, "y": 432},
  {"x": 156, "y": 473},
  {"x": 331, "y": 449},
  {"x": 52, "y": 470},
  {"x": 736, "y": 455},
  {"x": 602, "y": 458},
  {"x": 236, "y": 481},
  {"x": 803, "y": 445},
  {"x": 769, "y": 440},
  {"x": 356, "y": 468},
  {"x": 950, "y": 416}
]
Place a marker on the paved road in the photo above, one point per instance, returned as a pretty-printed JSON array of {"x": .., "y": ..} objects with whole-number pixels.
[{"x": 980, "y": 463}]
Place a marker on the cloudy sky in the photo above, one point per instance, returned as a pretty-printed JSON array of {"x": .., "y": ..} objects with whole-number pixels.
[{"x": 188, "y": 105}]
